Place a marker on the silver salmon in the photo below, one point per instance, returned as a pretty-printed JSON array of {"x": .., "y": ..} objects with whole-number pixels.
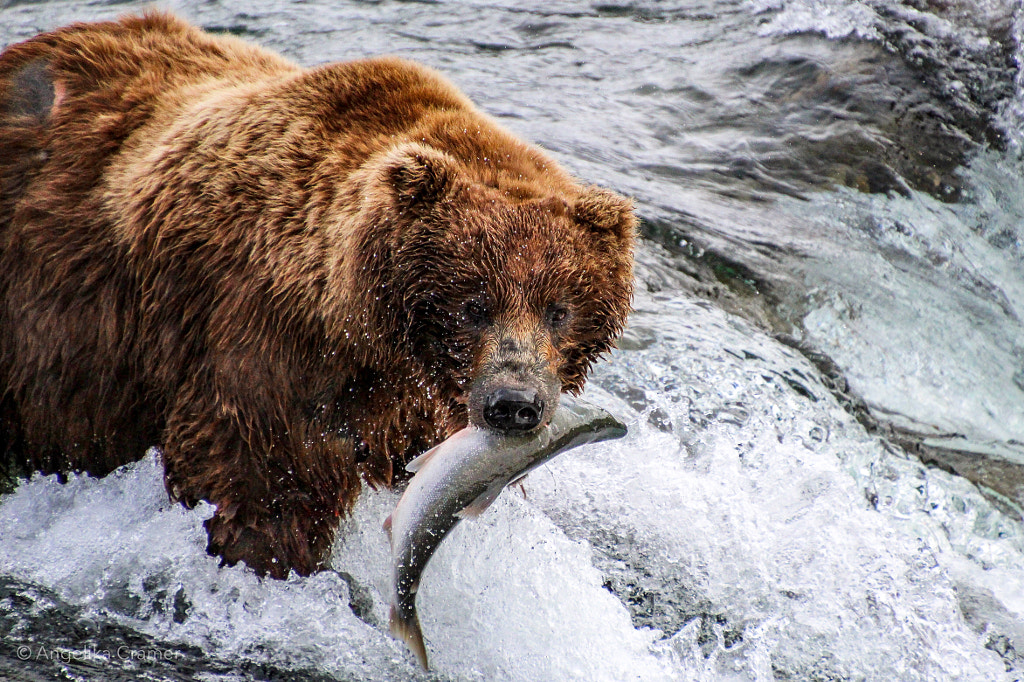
[{"x": 459, "y": 479}]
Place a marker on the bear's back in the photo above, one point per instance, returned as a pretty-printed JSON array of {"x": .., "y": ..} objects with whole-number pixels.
[{"x": 69, "y": 304}]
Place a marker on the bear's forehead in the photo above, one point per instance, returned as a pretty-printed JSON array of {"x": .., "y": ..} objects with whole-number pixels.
[
  {"x": 527, "y": 278},
  {"x": 517, "y": 234},
  {"x": 519, "y": 255},
  {"x": 510, "y": 250}
]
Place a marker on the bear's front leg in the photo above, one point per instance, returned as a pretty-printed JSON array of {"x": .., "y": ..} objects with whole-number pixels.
[{"x": 279, "y": 485}]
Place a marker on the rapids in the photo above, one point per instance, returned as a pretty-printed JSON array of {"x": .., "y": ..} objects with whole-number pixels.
[{"x": 823, "y": 378}]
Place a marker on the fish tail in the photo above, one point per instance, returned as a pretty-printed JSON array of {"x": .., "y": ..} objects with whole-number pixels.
[{"x": 405, "y": 624}]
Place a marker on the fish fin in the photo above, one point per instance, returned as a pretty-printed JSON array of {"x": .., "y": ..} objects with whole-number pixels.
[
  {"x": 519, "y": 482},
  {"x": 387, "y": 527},
  {"x": 408, "y": 630},
  {"x": 416, "y": 463},
  {"x": 481, "y": 503}
]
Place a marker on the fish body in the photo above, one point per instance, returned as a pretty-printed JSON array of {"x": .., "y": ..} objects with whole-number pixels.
[{"x": 459, "y": 479}]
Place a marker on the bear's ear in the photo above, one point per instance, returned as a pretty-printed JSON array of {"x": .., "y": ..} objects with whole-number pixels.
[
  {"x": 607, "y": 215},
  {"x": 32, "y": 92},
  {"x": 418, "y": 176}
]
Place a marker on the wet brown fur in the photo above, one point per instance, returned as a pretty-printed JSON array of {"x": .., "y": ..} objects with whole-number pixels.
[{"x": 265, "y": 271}]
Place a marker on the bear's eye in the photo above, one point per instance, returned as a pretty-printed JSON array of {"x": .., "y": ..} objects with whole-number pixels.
[
  {"x": 557, "y": 316},
  {"x": 476, "y": 311}
]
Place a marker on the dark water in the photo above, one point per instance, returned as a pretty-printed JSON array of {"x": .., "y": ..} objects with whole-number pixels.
[{"x": 825, "y": 373}]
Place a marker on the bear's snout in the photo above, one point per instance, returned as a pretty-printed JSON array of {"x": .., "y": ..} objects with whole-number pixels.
[
  {"x": 516, "y": 386},
  {"x": 513, "y": 411}
]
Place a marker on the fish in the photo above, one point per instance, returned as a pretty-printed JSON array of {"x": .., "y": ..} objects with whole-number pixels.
[{"x": 459, "y": 479}]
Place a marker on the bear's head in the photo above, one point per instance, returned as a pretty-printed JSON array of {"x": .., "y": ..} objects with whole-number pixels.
[{"x": 501, "y": 300}]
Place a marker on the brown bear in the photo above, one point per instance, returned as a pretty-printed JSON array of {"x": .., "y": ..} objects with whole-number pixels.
[{"x": 287, "y": 279}]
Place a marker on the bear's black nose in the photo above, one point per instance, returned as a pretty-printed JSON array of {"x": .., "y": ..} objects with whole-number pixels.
[{"x": 513, "y": 410}]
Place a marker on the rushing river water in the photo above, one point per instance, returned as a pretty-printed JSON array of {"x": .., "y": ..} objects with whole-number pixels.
[{"x": 824, "y": 375}]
